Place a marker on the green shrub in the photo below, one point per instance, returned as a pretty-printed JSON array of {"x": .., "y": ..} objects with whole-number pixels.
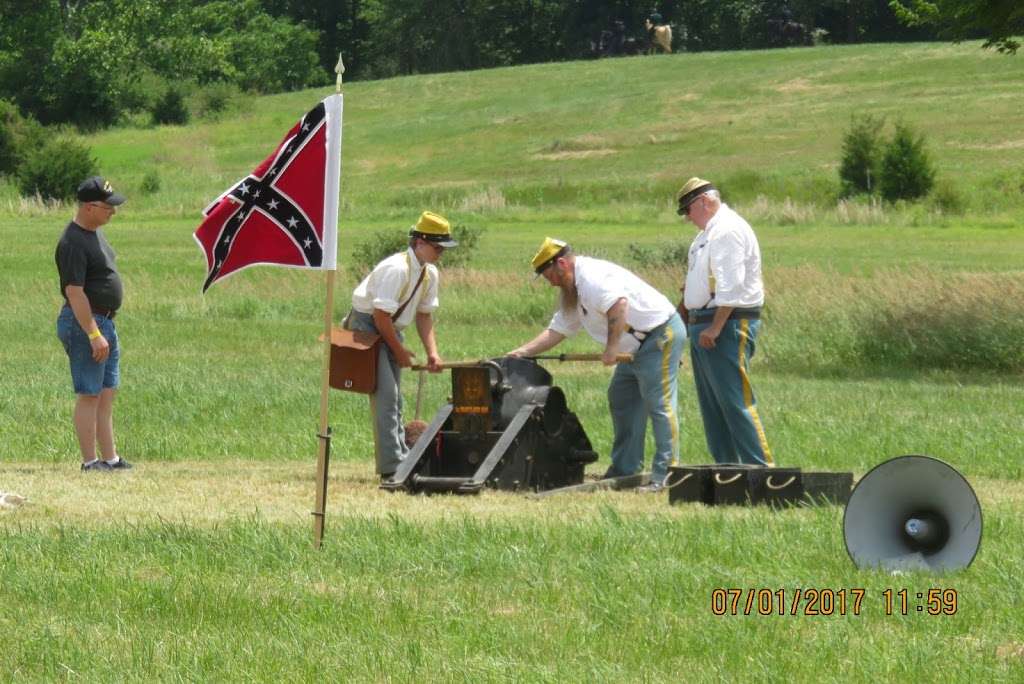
[
  {"x": 8, "y": 140},
  {"x": 381, "y": 245},
  {"x": 378, "y": 247},
  {"x": 862, "y": 149},
  {"x": 948, "y": 199},
  {"x": 215, "y": 98},
  {"x": 907, "y": 170},
  {"x": 150, "y": 183},
  {"x": 54, "y": 168},
  {"x": 139, "y": 93},
  {"x": 170, "y": 108},
  {"x": 671, "y": 255},
  {"x": 467, "y": 238},
  {"x": 17, "y": 135}
]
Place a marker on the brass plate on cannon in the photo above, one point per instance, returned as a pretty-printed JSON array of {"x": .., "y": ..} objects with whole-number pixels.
[{"x": 472, "y": 390}]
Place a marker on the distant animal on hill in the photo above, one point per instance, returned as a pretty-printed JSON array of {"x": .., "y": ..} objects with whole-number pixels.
[{"x": 659, "y": 35}]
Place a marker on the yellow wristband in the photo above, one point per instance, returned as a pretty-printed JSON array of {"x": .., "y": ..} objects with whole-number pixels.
[{"x": 94, "y": 334}]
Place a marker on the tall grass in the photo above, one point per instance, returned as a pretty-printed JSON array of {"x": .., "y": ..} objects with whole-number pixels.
[{"x": 912, "y": 318}]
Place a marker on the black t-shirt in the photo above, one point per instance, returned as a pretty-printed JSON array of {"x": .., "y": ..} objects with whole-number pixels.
[{"x": 85, "y": 258}]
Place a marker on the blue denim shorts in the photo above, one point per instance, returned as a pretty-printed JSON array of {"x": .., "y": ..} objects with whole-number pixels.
[{"x": 88, "y": 376}]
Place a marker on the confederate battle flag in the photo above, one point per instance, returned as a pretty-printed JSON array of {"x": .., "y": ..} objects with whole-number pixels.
[{"x": 286, "y": 211}]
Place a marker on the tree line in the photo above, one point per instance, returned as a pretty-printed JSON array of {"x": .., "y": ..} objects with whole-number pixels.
[{"x": 87, "y": 62}]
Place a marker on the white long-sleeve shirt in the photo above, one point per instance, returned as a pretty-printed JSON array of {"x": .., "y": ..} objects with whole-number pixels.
[{"x": 724, "y": 265}]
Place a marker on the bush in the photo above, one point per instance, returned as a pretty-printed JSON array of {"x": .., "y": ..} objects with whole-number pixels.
[
  {"x": 54, "y": 168},
  {"x": 150, "y": 183},
  {"x": 671, "y": 255},
  {"x": 381, "y": 245},
  {"x": 467, "y": 238},
  {"x": 215, "y": 98},
  {"x": 17, "y": 135},
  {"x": 907, "y": 171},
  {"x": 948, "y": 199},
  {"x": 170, "y": 109},
  {"x": 861, "y": 162},
  {"x": 8, "y": 142}
]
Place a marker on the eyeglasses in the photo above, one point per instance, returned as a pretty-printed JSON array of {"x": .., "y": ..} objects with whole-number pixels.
[
  {"x": 103, "y": 205},
  {"x": 685, "y": 211}
]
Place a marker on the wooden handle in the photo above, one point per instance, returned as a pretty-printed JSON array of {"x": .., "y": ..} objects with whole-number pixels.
[
  {"x": 419, "y": 395},
  {"x": 619, "y": 358},
  {"x": 450, "y": 364}
]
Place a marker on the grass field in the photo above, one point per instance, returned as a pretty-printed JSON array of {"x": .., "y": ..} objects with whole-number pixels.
[{"x": 889, "y": 330}]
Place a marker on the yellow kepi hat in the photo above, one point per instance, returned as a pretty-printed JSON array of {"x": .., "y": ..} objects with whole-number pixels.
[
  {"x": 691, "y": 190},
  {"x": 550, "y": 250},
  {"x": 433, "y": 228}
]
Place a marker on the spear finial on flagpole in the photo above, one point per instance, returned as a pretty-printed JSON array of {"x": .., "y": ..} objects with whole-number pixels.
[{"x": 340, "y": 70}]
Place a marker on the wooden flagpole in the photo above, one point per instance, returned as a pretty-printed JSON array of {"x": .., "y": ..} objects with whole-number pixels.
[{"x": 324, "y": 435}]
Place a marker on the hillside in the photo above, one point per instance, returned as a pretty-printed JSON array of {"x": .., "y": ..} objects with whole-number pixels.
[{"x": 622, "y": 131}]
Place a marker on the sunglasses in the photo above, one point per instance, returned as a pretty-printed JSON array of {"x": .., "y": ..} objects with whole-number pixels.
[{"x": 685, "y": 211}]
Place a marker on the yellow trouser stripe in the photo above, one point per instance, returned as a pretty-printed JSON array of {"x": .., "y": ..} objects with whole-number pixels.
[
  {"x": 748, "y": 393},
  {"x": 666, "y": 392}
]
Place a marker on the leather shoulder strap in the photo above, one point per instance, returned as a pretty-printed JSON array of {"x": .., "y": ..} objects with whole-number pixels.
[{"x": 423, "y": 272}]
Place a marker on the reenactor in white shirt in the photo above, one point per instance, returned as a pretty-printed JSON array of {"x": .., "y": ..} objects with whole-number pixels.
[
  {"x": 625, "y": 315},
  {"x": 400, "y": 290},
  {"x": 721, "y": 303}
]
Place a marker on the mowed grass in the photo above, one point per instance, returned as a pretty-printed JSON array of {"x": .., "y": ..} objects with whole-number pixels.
[
  {"x": 213, "y": 578},
  {"x": 197, "y": 564}
]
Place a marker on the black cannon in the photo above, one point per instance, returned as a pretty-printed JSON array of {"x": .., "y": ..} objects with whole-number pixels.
[{"x": 507, "y": 427}]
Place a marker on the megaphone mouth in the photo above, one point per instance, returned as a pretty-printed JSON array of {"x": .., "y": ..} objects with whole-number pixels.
[
  {"x": 926, "y": 532},
  {"x": 913, "y": 513}
]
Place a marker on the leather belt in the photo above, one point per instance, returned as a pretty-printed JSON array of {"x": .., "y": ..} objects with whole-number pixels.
[
  {"x": 707, "y": 315},
  {"x": 106, "y": 313},
  {"x": 641, "y": 335}
]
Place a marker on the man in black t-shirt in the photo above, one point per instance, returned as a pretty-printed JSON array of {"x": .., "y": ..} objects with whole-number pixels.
[{"x": 92, "y": 291}]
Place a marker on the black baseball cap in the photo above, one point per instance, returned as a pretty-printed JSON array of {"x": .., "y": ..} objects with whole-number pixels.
[{"x": 96, "y": 189}]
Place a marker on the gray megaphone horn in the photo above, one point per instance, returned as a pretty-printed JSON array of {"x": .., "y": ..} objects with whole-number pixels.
[{"x": 913, "y": 513}]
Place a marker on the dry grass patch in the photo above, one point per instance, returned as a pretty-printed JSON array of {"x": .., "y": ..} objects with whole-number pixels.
[
  {"x": 986, "y": 147},
  {"x": 573, "y": 154},
  {"x": 491, "y": 199},
  {"x": 203, "y": 493}
]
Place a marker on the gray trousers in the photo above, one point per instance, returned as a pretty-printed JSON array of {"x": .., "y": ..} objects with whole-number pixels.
[{"x": 386, "y": 402}]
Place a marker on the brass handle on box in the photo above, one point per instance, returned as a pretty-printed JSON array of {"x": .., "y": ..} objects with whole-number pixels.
[
  {"x": 769, "y": 485},
  {"x": 683, "y": 479}
]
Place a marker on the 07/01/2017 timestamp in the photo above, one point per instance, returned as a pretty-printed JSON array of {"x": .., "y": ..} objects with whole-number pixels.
[{"x": 815, "y": 602}]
